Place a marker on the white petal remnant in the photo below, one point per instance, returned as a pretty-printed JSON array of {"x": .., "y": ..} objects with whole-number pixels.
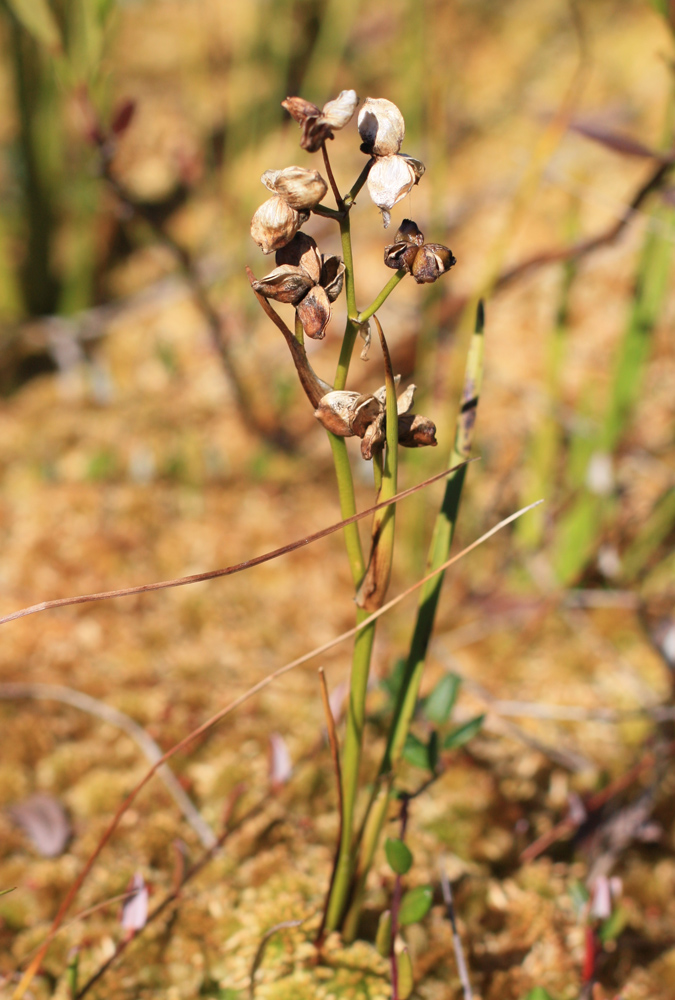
[
  {"x": 381, "y": 126},
  {"x": 390, "y": 180},
  {"x": 302, "y": 189},
  {"x": 275, "y": 224}
]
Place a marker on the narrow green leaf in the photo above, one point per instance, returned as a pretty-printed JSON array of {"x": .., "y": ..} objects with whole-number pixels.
[
  {"x": 399, "y": 855},
  {"x": 439, "y": 547},
  {"x": 392, "y": 683},
  {"x": 416, "y": 753},
  {"x": 404, "y": 975},
  {"x": 383, "y": 936},
  {"x": 38, "y": 19},
  {"x": 538, "y": 993},
  {"x": 441, "y": 701},
  {"x": 463, "y": 734},
  {"x": 3, "y": 892},
  {"x": 415, "y": 904}
]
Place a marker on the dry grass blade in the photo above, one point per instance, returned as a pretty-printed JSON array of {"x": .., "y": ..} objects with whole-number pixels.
[
  {"x": 84, "y": 702},
  {"x": 214, "y": 574},
  {"x": 223, "y": 713},
  {"x": 258, "y": 957}
]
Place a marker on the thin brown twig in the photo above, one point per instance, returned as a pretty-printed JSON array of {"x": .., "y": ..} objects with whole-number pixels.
[
  {"x": 245, "y": 404},
  {"x": 336, "y": 191},
  {"x": 182, "y": 581},
  {"x": 176, "y": 891},
  {"x": 453, "y": 306},
  {"x": 223, "y": 713},
  {"x": 592, "y": 804}
]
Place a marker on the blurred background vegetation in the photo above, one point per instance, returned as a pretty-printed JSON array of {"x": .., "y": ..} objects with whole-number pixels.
[{"x": 150, "y": 424}]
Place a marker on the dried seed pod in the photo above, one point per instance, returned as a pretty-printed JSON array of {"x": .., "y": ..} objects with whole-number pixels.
[
  {"x": 335, "y": 412},
  {"x": 431, "y": 261},
  {"x": 399, "y": 255},
  {"x": 302, "y": 189},
  {"x": 314, "y": 312},
  {"x": 332, "y": 276},
  {"x": 275, "y": 224},
  {"x": 381, "y": 127},
  {"x": 390, "y": 179},
  {"x": 374, "y": 437},
  {"x": 285, "y": 284},
  {"x": 338, "y": 112},
  {"x": 416, "y": 431},
  {"x": 319, "y": 125},
  {"x": 300, "y": 109},
  {"x": 347, "y": 414},
  {"x": 409, "y": 231},
  {"x": 302, "y": 252}
]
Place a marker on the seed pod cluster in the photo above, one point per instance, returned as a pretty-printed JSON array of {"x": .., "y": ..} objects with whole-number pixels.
[
  {"x": 353, "y": 414},
  {"x": 308, "y": 280},
  {"x": 296, "y": 192},
  {"x": 425, "y": 261}
]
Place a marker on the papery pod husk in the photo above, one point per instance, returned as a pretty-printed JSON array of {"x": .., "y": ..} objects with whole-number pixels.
[
  {"x": 416, "y": 431},
  {"x": 409, "y": 231},
  {"x": 398, "y": 255},
  {"x": 374, "y": 437},
  {"x": 338, "y": 112},
  {"x": 332, "y": 276},
  {"x": 415, "y": 165},
  {"x": 381, "y": 393},
  {"x": 302, "y": 252},
  {"x": 404, "y": 974},
  {"x": 335, "y": 411},
  {"x": 365, "y": 410},
  {"x": 390, "y": 179},
  {"x": 300, "y": 109},
  {"x": 383, "y": 936},
  {"x": 431, "y": 261},
  {"x": 314, "y": 312},
  {"x": 285, "y": 284},
  {"x": 381, "y": 127},
  {"x": 301, "y": 188},
  {"x": 275, "y": 224}
]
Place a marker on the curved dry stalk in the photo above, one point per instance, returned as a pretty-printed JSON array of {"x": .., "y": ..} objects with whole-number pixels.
[
  {"x": 85, "y": 702},
  {"x": 30, "y": 972},
  {"x": 213, "y": 574}
]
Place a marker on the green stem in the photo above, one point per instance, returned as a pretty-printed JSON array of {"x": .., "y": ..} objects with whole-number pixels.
[
  {"x": 372, "y": 822},
  {"x": 345, "y": 483},
  {"x": 350, "y": 198},
  {"x": 328, "y": 213},
  {"x": 352, "y": 327},
  {"x": 384, "y": 294}
]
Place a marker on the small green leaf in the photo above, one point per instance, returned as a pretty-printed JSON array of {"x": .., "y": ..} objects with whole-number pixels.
[
  {"x": 538, "y": 993},
  {"x": 383, "y": 937},
  {"x": 441, "y": 701},
  {"x": 416, "y": 753},
  {"x": 463, "y": 734},
  {"x": 404, "y": 975},
  {"x": 38, "y": 19},
  {"x": 415, "y": 904},
  {"x": 399, "y": 855}
]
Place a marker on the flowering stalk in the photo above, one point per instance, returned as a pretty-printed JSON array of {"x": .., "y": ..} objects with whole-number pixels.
[{"x": 311, "y": 282}]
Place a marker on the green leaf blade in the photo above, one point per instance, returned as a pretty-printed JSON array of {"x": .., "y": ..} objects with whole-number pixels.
[{"x": 399, "y": 855}]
